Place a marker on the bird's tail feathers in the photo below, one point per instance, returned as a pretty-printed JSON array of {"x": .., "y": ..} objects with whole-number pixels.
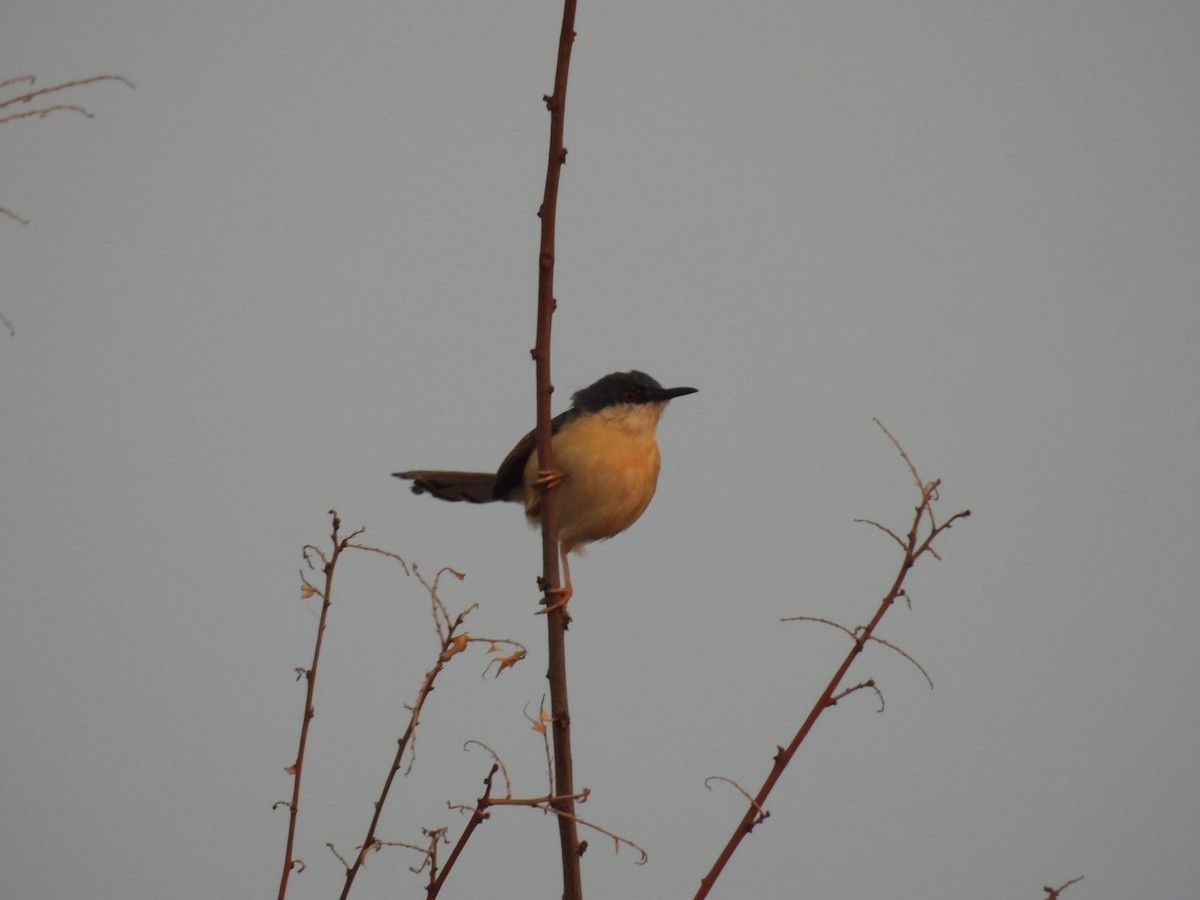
[{"x": 473, "y": 487}]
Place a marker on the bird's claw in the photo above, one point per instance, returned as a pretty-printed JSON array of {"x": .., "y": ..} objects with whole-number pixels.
[
  {"x": 562, "y": 596},
  {"x": 549, "y": 478}
]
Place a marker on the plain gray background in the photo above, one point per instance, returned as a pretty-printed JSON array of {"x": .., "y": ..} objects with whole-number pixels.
[{"x": 302, "y": 255}]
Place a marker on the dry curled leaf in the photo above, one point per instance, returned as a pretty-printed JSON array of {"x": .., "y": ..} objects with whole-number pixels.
[
  {"x": 457, "y": 645},
  {"x": 506, "y": 662}
]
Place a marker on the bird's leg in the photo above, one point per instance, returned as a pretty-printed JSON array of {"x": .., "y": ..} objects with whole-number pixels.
[
  {"x": 562, "y": 594},
  {"x": 546, "y": 480}
]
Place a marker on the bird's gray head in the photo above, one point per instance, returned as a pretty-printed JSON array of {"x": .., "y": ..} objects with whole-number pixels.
[{"x": 624, "y": 389}]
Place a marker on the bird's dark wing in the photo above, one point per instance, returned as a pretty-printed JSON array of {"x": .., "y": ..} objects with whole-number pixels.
[
  {"x": 512, "y": 470},
  {"x": 511, "y": 473}
]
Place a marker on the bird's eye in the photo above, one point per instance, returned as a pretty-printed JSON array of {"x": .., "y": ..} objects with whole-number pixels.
[{"x": 629, "y": 396}]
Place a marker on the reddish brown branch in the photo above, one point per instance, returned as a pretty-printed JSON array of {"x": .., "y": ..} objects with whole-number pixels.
[
  {"x": 914, "y": 548},
  {"x": 556, "y": 621},
  {"x": 41, "y": 92},
  {"x": 1052, "y": 893},
  {"x": 310, "y": 674},
  {"x": 42, "y": 111},
  {"x": 478, "y": 814}
]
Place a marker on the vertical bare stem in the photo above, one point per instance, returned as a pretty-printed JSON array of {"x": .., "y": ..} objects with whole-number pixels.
[
  {"x": 310, "y": 675},
  {"x": 556, "y": 621}
]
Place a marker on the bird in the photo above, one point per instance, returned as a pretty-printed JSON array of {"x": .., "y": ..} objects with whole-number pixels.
[{"x": 606, "y": 465}]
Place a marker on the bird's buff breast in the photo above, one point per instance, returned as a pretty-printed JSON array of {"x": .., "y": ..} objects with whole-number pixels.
[{"x": 610, "y": 465}]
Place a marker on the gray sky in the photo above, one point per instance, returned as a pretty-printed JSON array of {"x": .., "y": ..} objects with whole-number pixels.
[{"x": 302, "y": 255}]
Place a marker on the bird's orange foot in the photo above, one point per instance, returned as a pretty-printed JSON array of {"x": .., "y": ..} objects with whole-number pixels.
[
  {"x": 549, "y": 478},
  {"x": 562, "y": 596}
]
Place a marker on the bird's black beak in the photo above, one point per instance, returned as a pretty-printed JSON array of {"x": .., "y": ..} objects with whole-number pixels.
[{"x": 671, "y": 393}]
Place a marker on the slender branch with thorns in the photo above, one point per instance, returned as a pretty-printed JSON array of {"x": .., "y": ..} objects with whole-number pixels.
[
  {"x": 556, "y": 619},
  {"x": 915, "y": 544},
  {"x": 307, "y": 590},
  {"x": 478, "y": 814}
]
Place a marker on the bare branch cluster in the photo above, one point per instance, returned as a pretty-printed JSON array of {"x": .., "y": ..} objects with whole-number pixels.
[
  {"x": 43, "y": 111},
  {"x": 8, "y": 113},
  {"x": 452, "y": 640}
]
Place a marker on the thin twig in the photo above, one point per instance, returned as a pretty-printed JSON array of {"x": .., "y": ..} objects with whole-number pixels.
[
  {"x": 19, "y": 79},
  {"x": 29, "y": 79},
  {"x": 895, "y": 537},
  {"x": 42, "y": 111},
  {"x": 869, "y": 684},
  {"x": 850, "y": 633},
  {"x": 920, "y": 668},
  {"x": 553, "y": 804},
  {"x": 441, "y": 616},
  {"x": 762, "y": 813},
  {"x": 618, "y": 840},
  {"x": 539, "y": 725},
  {"x": 903, "y": 455},
  {"x": 498, "y": 761},
  {"x": 388, "y": 553},
  {"x": 478, "y": 814},
  {"x": 854, "y": 636},
  {"x": 333, "y": 850},
  {"x": 1053, "y": 892},
  {"x": 428, "y": 852},
  {"x": 436, "y": 836}
]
